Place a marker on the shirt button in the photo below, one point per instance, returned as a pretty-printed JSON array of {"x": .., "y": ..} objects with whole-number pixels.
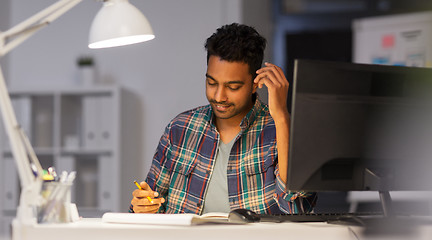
[
  {"x": 208, "y": 172},
  {"x": 199, "y": 204}
]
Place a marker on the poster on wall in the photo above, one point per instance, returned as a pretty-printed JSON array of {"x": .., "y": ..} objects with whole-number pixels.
[{"x": 398, "y": 40}]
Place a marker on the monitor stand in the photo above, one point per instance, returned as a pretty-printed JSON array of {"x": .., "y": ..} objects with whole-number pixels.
[
  {"x": 375, "y": 179},
  {"x": 390, "y": 223},
  {"x": 386, "y": 203}
]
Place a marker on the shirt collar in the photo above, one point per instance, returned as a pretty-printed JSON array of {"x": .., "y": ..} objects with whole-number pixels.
[{"x": 252, "y": 114}]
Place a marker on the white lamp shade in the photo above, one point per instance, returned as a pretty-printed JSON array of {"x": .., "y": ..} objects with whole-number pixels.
[{"x": 119, "y": 23}]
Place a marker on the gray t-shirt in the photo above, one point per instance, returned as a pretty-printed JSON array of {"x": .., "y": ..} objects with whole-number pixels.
[{"x": 216, "y": 199}]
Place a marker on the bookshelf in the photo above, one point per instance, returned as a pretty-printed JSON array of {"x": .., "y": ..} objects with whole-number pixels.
[{"x": 73, "y": 129}]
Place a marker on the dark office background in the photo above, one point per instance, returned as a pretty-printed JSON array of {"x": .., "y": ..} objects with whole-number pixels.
[{"x": 321, "y": 30}]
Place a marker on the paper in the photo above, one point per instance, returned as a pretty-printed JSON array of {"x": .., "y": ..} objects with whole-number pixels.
[{"x": 184, "y": 219}]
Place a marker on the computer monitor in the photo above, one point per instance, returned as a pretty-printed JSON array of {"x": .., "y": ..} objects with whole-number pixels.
[{"x": 360, "y": 127}]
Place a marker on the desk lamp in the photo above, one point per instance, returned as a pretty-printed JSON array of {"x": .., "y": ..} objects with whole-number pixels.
[{"x": 117, "y": 23}]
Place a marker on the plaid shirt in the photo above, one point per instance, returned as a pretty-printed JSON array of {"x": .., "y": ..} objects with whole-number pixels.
[{"x": 185, "y": 158}]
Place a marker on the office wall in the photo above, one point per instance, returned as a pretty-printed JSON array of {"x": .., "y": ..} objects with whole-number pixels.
[
  {"x": 258, "y": 13},
  {"x": 4, "y": 24},
  {"x": 166, "y": 75}
]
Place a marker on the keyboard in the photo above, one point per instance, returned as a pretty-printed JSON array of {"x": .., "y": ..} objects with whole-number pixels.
[
  {"x": 247, "y": 216},
  {"x": 340, "y": 218}
]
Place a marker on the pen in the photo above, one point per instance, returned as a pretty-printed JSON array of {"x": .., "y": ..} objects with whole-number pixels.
[{"x": 140, "y": 188}]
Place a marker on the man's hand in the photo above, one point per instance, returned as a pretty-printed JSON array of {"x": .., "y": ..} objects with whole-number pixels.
[
  {"x": 140, "y": 202},
  {"x": 273, "y": 77}
]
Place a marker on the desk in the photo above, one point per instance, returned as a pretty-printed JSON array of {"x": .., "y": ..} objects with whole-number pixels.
[
  {"x": 89, "y": 228},
  {"x": 94, "y": 228}
]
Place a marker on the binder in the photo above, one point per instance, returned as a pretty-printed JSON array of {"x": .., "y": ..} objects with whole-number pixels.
[
  {"x": 98, "y": 115},
  {"x": 43, "y": 121},
  {"x": 91, "y": 111},
  {"x": 106, "y": 183},
  {"x": 106, "y": 121},
  {"x": 10, "y": 185}
]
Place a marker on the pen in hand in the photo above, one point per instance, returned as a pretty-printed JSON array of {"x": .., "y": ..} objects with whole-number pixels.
[{"x": 140, "y": 188}]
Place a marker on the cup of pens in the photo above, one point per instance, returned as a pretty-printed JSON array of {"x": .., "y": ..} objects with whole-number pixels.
[{"x": 56, "y": 200}]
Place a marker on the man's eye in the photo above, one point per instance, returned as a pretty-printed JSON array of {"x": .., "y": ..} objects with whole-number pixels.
[
  {"x": 234, "y": 87},
  {"x": 211, "y": 83}
]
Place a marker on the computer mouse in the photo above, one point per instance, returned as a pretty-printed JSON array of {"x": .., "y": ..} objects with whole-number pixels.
[{"x": 243, "y": 216}]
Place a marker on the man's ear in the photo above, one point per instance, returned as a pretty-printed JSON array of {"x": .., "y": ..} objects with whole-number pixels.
[{"x": 254, "y": 86}]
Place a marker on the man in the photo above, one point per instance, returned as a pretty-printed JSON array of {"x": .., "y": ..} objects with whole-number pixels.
[{"x": 232, "y": 153}]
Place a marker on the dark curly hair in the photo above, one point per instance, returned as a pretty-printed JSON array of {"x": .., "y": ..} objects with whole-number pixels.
[{"x": 237, "y": 43}]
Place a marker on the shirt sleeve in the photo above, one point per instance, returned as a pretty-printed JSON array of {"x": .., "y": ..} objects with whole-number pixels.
[
  {"x": 159, "y": 175},
  {"x": 293, "y": 202}
]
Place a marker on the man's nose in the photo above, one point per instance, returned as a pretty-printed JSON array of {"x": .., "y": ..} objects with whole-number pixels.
[{"x": 220, "y": 95}]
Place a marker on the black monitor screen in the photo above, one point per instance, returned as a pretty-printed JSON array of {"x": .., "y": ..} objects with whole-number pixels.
[{"x": 360, "y": 127}]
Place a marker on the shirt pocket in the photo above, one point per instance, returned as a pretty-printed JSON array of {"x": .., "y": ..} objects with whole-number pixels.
[
  {"x": 179, "y": 182},
  {"x": 259, "y": 188},
  {"x": 183, "y": 168},
  {"x": 257, "y": 174},
  {"x": 180, "y": 175},
  {"x": 257, "y": 167}
]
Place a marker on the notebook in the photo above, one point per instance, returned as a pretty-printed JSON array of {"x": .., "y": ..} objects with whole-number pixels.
[{"x": 184, "y": 219}]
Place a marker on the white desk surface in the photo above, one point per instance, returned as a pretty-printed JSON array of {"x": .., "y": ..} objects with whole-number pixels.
[{"x": 94, "y": 228}]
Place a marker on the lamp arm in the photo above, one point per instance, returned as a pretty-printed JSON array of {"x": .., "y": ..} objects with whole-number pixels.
[
  {"x": 21, "y": 32},
  {"x": 20, "y": 145},
  {"x": 21, "y": 37},
  {"x": 28, "y": 27},
  {"x": 11, "y": 126},
  {"x": 30, "y": 184}
]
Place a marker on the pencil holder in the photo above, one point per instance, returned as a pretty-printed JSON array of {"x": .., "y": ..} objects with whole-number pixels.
[{"x": 56, "y": 203}]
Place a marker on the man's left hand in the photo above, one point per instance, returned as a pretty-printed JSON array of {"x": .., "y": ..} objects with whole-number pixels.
[{"x": 273, "y": 77}]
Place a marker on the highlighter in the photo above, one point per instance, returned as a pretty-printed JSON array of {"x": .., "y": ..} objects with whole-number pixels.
[{"x": 140, "y": 188}]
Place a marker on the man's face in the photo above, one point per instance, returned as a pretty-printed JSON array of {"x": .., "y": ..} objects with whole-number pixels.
[{"x": 229, "y": 89}]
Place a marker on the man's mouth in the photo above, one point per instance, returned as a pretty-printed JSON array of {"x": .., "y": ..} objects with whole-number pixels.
[{"x": 221, "y": 107}]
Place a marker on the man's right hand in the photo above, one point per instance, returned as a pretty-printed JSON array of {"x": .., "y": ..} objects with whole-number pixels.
[{"x": 140, "y": 202}]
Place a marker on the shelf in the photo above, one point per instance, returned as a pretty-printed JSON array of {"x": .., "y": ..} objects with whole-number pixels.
[
  {"x": 86, "y": 151},
  {"x": 38, "y": 151},
  {"x": 71, "y": 129}
]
